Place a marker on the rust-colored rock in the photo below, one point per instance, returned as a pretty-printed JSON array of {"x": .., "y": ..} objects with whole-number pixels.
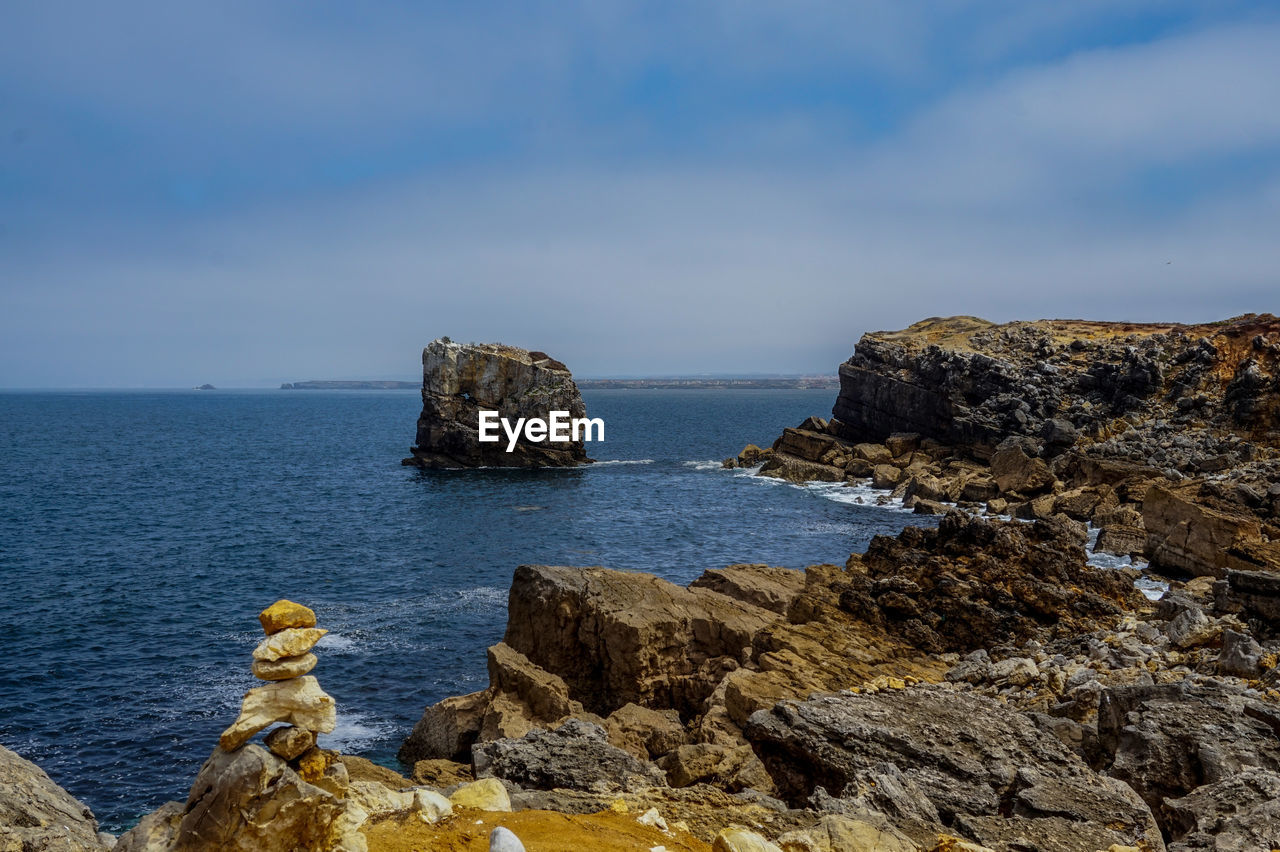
[{"x": 284, "y": 614}]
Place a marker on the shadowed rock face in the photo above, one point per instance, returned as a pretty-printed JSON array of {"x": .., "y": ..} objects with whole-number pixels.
[
  {"x": 459, "y": 380},
  {"x": 37, "y": 814}
]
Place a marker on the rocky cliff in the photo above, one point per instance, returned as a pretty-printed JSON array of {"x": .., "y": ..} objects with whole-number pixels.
[
  {"x": 966, "y": 381},
  {"x": 461, "y": 379},
  {"x": 1165, "y": 436}
]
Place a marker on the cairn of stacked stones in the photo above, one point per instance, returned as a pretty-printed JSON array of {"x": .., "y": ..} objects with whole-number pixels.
[{"x": 290, "y": 695}]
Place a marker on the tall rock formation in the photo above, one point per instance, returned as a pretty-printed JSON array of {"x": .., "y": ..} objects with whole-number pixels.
[{"x": 461, "y": 379}]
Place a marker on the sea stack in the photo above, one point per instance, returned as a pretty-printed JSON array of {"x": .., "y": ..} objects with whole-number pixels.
[
  {"x": 460, "y": 380},
  {"x": 283, "y": 659}
]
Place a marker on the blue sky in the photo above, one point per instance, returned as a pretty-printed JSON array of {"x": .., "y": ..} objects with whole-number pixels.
[{"x": 254, "y": 192}]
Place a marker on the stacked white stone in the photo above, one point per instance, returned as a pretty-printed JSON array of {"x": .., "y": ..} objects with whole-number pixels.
[{"x": 291, "y": 695}]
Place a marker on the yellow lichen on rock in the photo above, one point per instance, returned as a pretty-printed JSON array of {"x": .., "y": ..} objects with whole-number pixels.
[
  {"x": 285, "y": 614},
  {"x": 487, "y": 794}
]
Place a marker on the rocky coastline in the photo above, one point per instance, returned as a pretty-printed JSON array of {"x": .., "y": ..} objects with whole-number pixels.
[{"x": 979, "y": 685}]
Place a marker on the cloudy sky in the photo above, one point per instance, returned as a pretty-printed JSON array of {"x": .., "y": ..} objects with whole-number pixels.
[{"x": 252, "y": 192}]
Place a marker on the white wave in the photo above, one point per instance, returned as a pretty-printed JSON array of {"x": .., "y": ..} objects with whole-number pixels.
[
  {"x": 1154, "y": 589},
  {"x": 355, "y": 732},
  {"x": 857, "y": 494},
  {"x": 607, "y": 462},
  {"x": 336, "y": 643},
  {"x": 706, "y": 465}
]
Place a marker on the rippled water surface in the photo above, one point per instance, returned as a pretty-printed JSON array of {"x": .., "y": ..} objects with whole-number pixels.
[{"x": 142, "y": 532}]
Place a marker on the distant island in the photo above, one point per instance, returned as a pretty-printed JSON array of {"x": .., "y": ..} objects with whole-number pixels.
[
  {"x": 205, "y": 386},
  {"x": 352, "y": 385}
]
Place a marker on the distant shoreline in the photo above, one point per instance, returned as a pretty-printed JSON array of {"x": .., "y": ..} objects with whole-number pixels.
[{"x": 773, "y": 383}]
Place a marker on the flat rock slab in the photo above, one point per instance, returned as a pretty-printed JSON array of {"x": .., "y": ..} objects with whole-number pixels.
[{"x": 988, "y": 773}]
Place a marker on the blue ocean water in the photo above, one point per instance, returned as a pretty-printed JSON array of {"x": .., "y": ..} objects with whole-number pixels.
[{"x": 142, "y": 532}]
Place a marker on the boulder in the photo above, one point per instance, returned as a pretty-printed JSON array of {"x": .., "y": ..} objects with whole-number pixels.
[
  {"x": 618, "y": 637},
  {"x": 447, "y": 729},
  {"x": 289, "y": 642},
  {"x": 460, "y": 380},
  {"x": 1184, "y": 535},
  {"x": 486, "y": 794},
  {"x": 1121, "y": 540},
  {"x": 742, "y": 840},
  {"x": 441, "y": 773},
  {"x": 643, "y": 732},
  {"x": 299, "y": 702},
  {"x": 885, "y": 476},
  {"x": 730, "y": 768},
  {"x": 1016, "y": 472},
  {"x": 284, "y": 614},
  {"x": 284, "y": 668},
  {"x": 873, "y": 453},
  {"x": 574, "y": 756},
  {"x": 999, "y": 779},
  {"x": 289, "y": 742},
  {"x": 251, "y": 801},
  {"x": 36, "y": 814},
  {"x": 807, "y": 445}
]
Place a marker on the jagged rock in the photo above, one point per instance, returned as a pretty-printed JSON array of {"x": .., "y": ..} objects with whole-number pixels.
[
  {"x": 1167, "y": 740},
  {"x": 36, "y": 814},
  {"x": 289, "y": 742},
  {"x": 289, "y": 642},
  {"x": 1239, "y": 812},
  {"x": 299, "y": 702},
  {"x": 765, "y": 586},
  {"x": 1000, "y": 780},
  {"x": 574, "y": 756},
  {"x": 251, "y": 801},
  {"x": 459, "y": 380},
  {"x": 284, "y": 668},
  {"x": 973, "y": 583},
  {"x": 284, "y": 614},
  {"x": 486, "y": 794}
]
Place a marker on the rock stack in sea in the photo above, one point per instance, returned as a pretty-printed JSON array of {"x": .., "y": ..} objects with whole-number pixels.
[
  {"x": 459, "y": 380},
  {"x": 283, "y": 660}
]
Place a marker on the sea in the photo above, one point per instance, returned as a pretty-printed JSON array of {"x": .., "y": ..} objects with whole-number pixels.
[{"x": 141, "y": 532}]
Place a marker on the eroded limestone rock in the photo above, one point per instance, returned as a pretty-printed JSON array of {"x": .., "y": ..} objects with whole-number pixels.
[
  {"x": 288, "y": 642},
  {"x": 299, "y": 702},
  {"x": 459, "y": 380},
  {"x": 37, "y": 814}
]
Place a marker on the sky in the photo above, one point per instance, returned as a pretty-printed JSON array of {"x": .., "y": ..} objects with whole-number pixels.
[{"x": 247, "y": 193}]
